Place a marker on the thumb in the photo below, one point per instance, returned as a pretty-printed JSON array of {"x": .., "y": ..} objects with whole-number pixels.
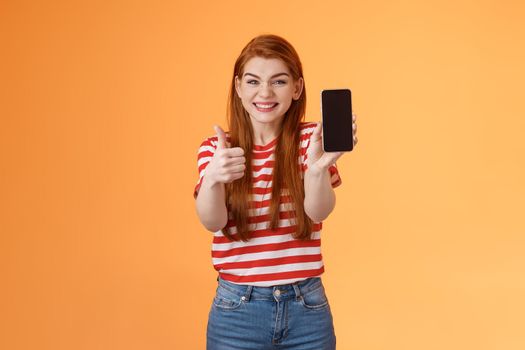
[{"x": 221, "y": 137}]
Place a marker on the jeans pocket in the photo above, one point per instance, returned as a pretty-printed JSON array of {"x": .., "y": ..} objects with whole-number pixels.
[
  {"x": 314, "y": 299},
  {"x": 226, "y": 300}
]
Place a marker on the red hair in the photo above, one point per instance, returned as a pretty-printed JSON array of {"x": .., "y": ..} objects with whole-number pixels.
[{"x": 286, "y": 172}]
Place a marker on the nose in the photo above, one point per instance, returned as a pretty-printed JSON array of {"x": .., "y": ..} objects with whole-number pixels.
[{"x": 265, "y": 90}]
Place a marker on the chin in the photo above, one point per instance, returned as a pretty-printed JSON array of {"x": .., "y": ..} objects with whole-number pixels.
[{"x": 266, "y": 119}]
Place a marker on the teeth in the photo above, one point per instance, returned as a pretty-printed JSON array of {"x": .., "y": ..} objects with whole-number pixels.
[{"x": 266, "y": 105}]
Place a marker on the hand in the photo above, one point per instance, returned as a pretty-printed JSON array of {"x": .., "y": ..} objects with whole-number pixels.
[
  {"x": 319, "y": 159},
  {"x": 227, "y": 164}
]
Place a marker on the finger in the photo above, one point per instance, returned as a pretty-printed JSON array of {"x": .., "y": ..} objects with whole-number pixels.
[
  {"x": 221, "y": 137},
  {"x": 229, "y": 161},
  {"x": 235, "y": 176},
  {"x": 235, "y": 152},
  {"x": 238, "y": 168},
  {"x": 238, "y": 175},
  {"x": 355, "y": 140},
  {"x": 354, "y": 117}
]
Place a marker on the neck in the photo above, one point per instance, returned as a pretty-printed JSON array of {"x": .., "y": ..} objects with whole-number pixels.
[{"x": 263, "y": 133}]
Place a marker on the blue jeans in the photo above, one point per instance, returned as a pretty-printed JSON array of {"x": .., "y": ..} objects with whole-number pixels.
[{"x": 290, "y": 316}]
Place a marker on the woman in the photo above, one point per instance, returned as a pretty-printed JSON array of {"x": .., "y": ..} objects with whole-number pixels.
[{"x": 264, "y": 189}]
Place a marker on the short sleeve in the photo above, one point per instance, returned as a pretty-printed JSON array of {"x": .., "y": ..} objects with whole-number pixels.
[{"x": 204, "y": 155}]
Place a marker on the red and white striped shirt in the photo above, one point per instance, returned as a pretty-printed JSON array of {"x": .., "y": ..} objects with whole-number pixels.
[{"x": 270, "y": 257}]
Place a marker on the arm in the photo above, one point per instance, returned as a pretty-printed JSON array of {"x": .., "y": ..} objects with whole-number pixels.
[
  {"x": 211, "y": 205},
  {"x": 226, "y": 165},
  {"x": 319, "y": 196},
  {"x": 319, "y": 199}
]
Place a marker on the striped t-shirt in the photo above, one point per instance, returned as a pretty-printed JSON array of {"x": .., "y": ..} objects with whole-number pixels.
[{"x": 270, "y": 257}]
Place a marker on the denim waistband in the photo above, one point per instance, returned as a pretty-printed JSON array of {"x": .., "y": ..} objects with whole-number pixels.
[{"x": 278, "y": 292}]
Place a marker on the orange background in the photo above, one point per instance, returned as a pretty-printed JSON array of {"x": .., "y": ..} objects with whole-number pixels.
[{"x": 104, "y": 104}]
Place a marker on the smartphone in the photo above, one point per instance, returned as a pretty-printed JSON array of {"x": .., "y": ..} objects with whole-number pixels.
[{"x": 336, "y": 112}]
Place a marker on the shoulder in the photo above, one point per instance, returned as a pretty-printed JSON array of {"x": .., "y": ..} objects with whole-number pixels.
[{"x": 307, "y": 128}]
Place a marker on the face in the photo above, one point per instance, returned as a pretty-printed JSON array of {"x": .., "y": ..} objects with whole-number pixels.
[{"x": 267, "y": 89}]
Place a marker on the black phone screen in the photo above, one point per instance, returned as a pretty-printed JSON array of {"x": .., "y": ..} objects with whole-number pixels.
[{"x": 336, "y": 110}]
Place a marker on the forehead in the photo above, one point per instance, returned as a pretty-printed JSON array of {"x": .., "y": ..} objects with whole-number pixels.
[{"x": 265, "y": 67}]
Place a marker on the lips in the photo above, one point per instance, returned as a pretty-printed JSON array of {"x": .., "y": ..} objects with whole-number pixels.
[{"x": 265, "y": 107}]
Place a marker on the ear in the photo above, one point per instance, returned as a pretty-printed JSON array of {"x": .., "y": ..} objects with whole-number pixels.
[
  {"x": 299, "y": 84},
  {"x": 238, "y": 86}
]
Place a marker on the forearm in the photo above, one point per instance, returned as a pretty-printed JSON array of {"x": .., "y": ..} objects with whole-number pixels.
[
  {"x": 211, "y": 206},
  {"x": 319, "y": 200}
]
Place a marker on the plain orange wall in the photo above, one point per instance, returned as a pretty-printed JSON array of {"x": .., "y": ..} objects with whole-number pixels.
[{"x": 104, "y": 104}]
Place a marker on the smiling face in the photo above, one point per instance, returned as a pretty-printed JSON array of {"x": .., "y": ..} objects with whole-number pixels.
[{"x": 267, "y": 89}]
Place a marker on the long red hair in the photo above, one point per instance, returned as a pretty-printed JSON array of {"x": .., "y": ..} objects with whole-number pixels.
[{"x": 286, "y": 172}]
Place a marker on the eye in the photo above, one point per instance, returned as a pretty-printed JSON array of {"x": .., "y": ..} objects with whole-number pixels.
[
  {"x": 280, "y": 82},
  {"x": 252, "y": 82}
]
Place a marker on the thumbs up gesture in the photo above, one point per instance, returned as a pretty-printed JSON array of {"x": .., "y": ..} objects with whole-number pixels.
[
  {"x": 221, "y": 138},
  {"x": 227, "y": 164}
]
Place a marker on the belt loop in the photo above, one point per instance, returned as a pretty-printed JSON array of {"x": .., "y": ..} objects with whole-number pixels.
[
  {"x": 248, "y": 293},
  {"x": 297, "y": 290}
]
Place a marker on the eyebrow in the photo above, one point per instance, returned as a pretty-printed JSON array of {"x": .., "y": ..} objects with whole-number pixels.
[{"x": 273, "y": 76}]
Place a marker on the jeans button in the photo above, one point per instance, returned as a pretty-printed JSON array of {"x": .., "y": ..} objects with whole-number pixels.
[{"x": 277, "y": 292}]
